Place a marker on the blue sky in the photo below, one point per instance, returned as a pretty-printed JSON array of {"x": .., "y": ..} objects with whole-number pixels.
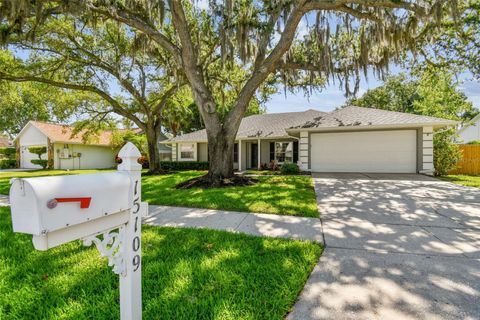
[{"x": 332, "y": 97}]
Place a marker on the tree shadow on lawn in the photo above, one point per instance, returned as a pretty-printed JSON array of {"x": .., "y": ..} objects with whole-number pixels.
[
  {"x": 288, "y": 195},
  {"x": 187, "y": 274}
]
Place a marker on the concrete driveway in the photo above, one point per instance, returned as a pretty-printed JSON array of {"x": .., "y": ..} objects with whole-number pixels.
[{"x": 397, "y": 247}]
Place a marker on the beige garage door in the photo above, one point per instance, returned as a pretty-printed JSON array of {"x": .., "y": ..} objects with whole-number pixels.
[{"x": 371, "y": 151}]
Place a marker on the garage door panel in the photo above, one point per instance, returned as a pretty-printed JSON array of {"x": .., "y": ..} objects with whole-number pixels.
[
  {"x": 378, "y": 151},
  {"x": 26, "y": 158}
]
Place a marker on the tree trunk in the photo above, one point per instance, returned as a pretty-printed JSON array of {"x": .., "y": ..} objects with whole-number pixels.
[
  {"x": 153, "y": 134},
  {"x": 220, "y": 152}
]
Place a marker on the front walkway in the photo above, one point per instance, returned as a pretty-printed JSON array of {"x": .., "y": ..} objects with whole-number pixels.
[
  {"x": 4, "y": 201},
  {"x": 257, "y": 224},
  {"x": 396, "y": 247},
  {"x": 268, "y": 225}
]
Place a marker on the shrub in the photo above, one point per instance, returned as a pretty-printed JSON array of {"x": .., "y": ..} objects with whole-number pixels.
[
  {"x": 446, "y": 154},
  {"x": 8, "y": 152},
  {"x": 184, "y": 165},
  {"x": 273, "y": 165},
  {"x": 474, "y": 142},
  {"x": 290, "y": 168},
  {"x": 7, "y": 164},
  {"x": 40, "y": 162},
  {"x": 38, "y": 151}
]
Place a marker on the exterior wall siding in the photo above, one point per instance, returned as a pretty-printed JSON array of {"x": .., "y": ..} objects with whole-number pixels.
[
  {"x": 174, "y": 152},
  {"x": 202, "y": 149},
  {"x": 92, "y": 157},
  {"x": 427, "y": 151},
  {"x": 33, "y": 137},
  {"x": 470, "y": 133},
  {"x": 304, "y": 151}
]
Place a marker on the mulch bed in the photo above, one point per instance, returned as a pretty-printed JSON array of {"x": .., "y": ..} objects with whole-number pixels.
[{"x": 204, "y": 182}]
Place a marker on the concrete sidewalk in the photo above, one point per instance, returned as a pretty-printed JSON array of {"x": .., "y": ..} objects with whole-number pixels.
[
  {"x": 4, "y": 201},
  {"x": 257, "y": 224}
]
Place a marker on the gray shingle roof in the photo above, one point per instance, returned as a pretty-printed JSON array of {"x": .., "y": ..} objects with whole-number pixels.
[
  {"x": 272, "y": 125},
  {"x": 276, "y": 125},
  {"x": 358, "y": 116}
]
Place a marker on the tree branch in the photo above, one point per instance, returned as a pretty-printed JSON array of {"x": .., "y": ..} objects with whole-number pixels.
[
  {"x": 158, "y": 107},
  {"x": 193, "y": 71},
  {"x": 135, "y": 22},
  {"x": 116, "y": 106},
  {"x": 268, "y": 65}
]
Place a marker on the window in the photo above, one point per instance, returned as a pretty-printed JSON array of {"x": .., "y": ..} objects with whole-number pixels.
[
  {"x": 284, "y": 152},
  {"x": 187, "y": 151},
  {"x": 235, "y": 152}
]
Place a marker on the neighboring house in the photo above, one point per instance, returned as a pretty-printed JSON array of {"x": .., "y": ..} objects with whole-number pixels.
[
  {"x": 64, "y": 150},
  {"x": 470, "y": 131},
  {"x": 5, "y": 142},
  {"x": 350, "y": 139}
]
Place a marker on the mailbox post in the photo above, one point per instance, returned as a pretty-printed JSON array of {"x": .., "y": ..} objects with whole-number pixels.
[
  {"x": 131, "y": 280},
  {"x": 57, "y": 210}
]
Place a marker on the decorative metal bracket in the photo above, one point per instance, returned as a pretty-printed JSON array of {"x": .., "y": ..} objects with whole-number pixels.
[{"x": 110, "y": 246}]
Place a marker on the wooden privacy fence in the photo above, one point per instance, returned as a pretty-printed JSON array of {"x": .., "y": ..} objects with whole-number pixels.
[{"x": 470, "y": 163}]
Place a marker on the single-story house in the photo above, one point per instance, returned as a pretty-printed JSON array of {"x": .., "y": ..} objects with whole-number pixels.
[
  {"x": 470, "y": 131},
  {"x": 350, "y": 139},
  {"x": 64, "y": 150}
]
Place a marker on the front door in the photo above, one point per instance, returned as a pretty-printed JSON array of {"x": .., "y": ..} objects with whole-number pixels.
[{"x": 254, "y": 155}]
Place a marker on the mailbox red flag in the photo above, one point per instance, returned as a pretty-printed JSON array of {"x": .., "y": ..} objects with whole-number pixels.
[{"x": 84, "y": 202}]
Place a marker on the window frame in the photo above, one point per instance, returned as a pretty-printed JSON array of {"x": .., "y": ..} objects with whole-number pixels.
[
  {"x": 235, "y": 152},
  {"x": 194, "y": 151},
  {"x": 284, "y": 153}
]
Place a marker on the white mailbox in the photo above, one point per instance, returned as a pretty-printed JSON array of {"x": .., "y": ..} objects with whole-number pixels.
[
  {"x": 104, "y": 209},
  {"x": 59, "y": 209}
]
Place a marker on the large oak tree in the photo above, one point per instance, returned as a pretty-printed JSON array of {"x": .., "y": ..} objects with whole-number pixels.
[{"x": 342, "y": 38}]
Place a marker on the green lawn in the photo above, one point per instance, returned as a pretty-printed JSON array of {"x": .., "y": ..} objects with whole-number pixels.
[
  {"x": 187, "y": 274},
  {"x": 469, "y": 181},
  {"x": 287, "y": 195}
]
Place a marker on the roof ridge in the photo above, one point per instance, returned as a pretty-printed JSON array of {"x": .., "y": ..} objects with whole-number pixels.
[
  {"x": 72, "y": 126},
  {"x": 392, "y": 111},
  {"x": 280, "y": 113}
]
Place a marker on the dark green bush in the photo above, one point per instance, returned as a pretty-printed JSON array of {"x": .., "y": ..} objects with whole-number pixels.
[
  {"x": 43, "y": 163},
  {"x": 38, "y": 150},
  {"x": 474, "y": 142},
  {"x": 184, "y": 165},
  {"x": 289, "y": 168},
  {"x": 7, "y": 164},
  {"x": 8, "y": 152}
]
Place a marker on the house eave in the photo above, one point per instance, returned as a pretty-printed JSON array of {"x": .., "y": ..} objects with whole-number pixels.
[
  {"x": 470, "y": 123},
  {"x": 236, "y": 139},
  {"x": 80, "y": 143},
  {"x": 435, "y": 125}
]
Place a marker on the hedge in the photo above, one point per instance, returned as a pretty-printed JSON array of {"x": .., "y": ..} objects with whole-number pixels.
[
  {"x": 7, "y": 164},
  {"x": 289, "y": 168},
  {"x": 39, "y": 162},
  {"x": 184, "y": 165},
  {"x": 474, "y": 142},
  {"x": 8, "y": 152}
]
